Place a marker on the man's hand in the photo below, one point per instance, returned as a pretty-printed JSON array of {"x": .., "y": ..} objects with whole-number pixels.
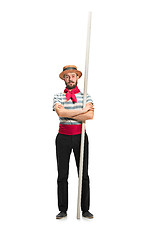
[
  {"x": 88, "y": 113},
  {"x": 60, "y": 106},
  {"x": 88, "y": 107}
]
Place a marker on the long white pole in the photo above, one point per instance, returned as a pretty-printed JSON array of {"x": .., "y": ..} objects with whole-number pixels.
[{"x": 83, "y": 124}]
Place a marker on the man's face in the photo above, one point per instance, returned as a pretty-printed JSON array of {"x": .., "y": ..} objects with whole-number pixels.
[{"x": 71, "y": 80}]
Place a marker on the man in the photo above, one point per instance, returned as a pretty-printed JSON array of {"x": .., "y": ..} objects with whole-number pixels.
[{"x": 69, "y": 107}]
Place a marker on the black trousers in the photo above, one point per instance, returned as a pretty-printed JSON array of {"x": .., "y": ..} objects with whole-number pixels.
[{"x": 64, "y": 146}]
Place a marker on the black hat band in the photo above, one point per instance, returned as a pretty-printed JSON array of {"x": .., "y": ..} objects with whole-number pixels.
[{"x": 68, "y": 68}]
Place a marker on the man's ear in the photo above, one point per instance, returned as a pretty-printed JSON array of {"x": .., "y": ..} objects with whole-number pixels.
[{"x": 77, "y": 77}]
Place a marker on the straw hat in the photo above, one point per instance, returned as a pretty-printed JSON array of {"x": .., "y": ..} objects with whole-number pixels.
[{"x": 70, "y": 69}]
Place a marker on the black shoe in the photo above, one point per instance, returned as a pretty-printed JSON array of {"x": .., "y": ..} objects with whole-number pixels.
[
  {"x": 61, "y": 215},
  {"x": 87, "y": 214}
]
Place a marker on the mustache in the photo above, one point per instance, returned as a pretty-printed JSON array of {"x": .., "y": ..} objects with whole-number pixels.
[{"x": 69, "y": 87}]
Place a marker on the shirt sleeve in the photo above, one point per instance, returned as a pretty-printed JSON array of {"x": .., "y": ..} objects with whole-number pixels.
[
  {"x": 56, "y": 99},
  {"x": 89, "y": 99}
]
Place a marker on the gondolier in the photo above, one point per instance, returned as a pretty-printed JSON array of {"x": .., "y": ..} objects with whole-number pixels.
[{"x": 69, "y": 107}]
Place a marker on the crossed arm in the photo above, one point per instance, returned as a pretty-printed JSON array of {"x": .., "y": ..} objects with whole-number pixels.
[{"x": 78, "y": 114}]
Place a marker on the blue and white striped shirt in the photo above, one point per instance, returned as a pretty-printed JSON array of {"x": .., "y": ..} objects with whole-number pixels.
[{"x": 61, "y": 98}]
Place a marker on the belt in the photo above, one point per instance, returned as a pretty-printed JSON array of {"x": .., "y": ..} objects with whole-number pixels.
[{"x": 70, "y": 129}]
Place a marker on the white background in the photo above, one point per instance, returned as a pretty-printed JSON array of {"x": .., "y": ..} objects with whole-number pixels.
[{"x": 37, "y": 39}]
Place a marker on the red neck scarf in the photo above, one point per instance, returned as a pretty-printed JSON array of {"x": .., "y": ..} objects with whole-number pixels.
[{"x": 71, "y": 94}]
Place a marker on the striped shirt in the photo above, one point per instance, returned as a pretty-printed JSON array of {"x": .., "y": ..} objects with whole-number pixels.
[{"x": 61, "y": 98}]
